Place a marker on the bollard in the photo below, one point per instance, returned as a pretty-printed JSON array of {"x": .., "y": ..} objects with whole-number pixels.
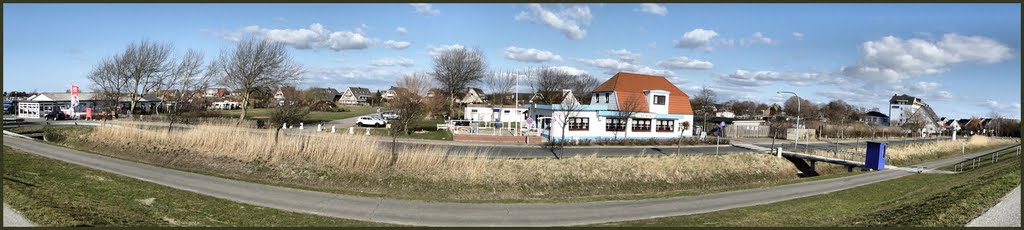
[
  {"x": 351, "y": 130},
  {"x": 284, "y": 125},
  {"x": 319, "y": 127},
  {"x": 368, "y": 131},
  {"x": 301, "y": 125},
  {"x": 332, "y": 128},
  {"x": 778, "y": 152}
]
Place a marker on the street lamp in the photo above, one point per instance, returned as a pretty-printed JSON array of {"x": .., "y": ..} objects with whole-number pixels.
[{"x": 795, "y": 143}]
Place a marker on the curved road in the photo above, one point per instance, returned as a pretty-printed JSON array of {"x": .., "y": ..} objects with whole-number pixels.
[{"x": 407, "y": 212}]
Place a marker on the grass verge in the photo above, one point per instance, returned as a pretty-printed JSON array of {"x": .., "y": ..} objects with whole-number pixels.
[
  {"x": 925, "y": 200},
  {"x": 55, "y": 193}
]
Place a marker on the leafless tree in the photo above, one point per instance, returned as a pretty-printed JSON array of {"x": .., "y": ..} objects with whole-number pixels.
[
  {"x": 147, "y": 65},
  {"x": 186, "y": 81},
  {"x": 838, "y": 113},
  {"x": 410, "y": 105},
  {"x": 500, "y": 84},
  {"x": 582, "y": 86},
  {"x": 629, "y": 106},
  {"x": 254, "y": 64},
  {"x": 807, "y": 109},
  {"x": 107, "y": 80},
  {"x": 456, "y": 69},
  {"x": 548, "y": 84}
]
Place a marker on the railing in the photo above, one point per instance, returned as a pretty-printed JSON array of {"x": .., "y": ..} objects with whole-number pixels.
[{"x": 979, "y": 161}]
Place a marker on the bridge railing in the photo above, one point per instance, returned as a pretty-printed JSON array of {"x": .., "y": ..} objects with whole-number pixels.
[{"x": 989, "y": 158}]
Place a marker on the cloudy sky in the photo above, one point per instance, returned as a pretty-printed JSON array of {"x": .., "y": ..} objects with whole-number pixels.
[{"x": 963, "y": 59}]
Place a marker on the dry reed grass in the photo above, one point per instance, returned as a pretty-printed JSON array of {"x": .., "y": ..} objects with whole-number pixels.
[{"x": 363, "y": 155}]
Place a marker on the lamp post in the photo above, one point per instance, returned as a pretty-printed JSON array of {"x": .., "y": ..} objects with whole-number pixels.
[{"x": 795, "y": 143}]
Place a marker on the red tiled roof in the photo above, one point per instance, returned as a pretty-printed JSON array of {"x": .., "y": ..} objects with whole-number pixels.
[{"x": 626, "y": 85}]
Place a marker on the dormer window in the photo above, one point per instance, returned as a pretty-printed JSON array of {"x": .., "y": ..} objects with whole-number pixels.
[{"x": 659, "y": 100}]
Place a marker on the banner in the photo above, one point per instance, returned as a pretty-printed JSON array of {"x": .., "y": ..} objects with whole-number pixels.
[{"x": 74, "y": 97}]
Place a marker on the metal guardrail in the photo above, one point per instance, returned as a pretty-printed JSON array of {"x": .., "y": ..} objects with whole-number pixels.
[{"x": 978, "y": 161}]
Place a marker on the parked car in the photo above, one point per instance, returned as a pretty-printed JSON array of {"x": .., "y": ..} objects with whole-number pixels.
[
  {"x": 56, "y": 115},
  {"x": 370, "y": 121},
  {"x": 389, "y": 115}
]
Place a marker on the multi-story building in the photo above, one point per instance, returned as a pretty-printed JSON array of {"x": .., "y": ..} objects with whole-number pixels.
[
  {"x": 659, "y": 110},
  {"x": 904, "y": 108}
]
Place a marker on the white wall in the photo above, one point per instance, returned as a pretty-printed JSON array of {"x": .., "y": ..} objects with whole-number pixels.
[
  {"x": 597, "y": 127},
  {"x": 487, "y": 114}
]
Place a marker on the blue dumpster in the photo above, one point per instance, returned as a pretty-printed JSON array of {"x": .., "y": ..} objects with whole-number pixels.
[{"x": 875, "y": 156}]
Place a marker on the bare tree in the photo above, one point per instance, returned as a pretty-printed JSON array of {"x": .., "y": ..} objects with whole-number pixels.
[
  {"x": 147, "y": 65},
  {"x": 501, "y": 85},
  {"x": 254, "y": 64},
  {"x": 583, "y": 85},
  {"x": 456, "y": 69},
  {"x": 107, "y": 80},
  {"x": 629, "y": 106},
  {"x": 838, "y": 113},
  {"x": 185, "y": 82},
  {"x": 807, "y": 108},
  {"x": 410, "y": 105},
  {"x": 548, "y": 84}
]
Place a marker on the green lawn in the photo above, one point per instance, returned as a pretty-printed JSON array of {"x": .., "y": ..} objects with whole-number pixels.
[
  {"x": 313, "y": 117},
  {"x": 428, "y": 125},
  {"x": 54, "y": 193},
  {"x": 915, "y": 200}
]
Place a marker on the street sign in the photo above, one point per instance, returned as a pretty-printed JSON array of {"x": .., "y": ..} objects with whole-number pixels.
[
  {"x": 529, "y": 121},
  {"x": 721, "y": 124}
]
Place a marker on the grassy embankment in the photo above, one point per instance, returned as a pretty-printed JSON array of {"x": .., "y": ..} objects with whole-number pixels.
[
  {"x": 923, "y": 200},
  {"x": 54, "y": 193}
]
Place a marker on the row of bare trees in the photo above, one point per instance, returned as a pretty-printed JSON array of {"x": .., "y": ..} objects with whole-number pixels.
[{"x": 147, "y": 67}]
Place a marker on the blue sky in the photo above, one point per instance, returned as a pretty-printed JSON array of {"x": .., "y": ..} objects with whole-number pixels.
[{"x": 963, "y": 59}]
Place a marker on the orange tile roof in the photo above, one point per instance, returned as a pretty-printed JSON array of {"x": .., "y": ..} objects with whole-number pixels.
[{"x": 627, "y": 84}]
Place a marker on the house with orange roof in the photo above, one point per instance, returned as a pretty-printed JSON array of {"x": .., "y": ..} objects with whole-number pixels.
[{"x": 627, "y": 105}]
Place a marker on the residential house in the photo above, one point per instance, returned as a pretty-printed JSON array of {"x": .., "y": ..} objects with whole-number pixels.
[
  {"x": 42, "y": 103},
  {"x": 355, "y": 96},
  {"x": 328, "y": 94},
  {"x": 471, "y": 96},
  {"x": 492, "y": 113},
  {"x": 390, "y": 94},
  {"x": 662, "y": 111},
  {"x": 725, "y": 114},
  {"x": 217, "y": 92},
  {"x": 875, "y": 117}
]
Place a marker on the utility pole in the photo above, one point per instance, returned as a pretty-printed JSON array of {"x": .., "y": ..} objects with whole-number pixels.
[{"x": 797, "y": 141}]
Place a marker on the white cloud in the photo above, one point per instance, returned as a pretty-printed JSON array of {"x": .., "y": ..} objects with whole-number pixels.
[
  {"x": 683, "y": 62},
  {"x": 612, "y": 66},
  {"x": 653, "y": 9},
  {"x": 425, "y": 9},
  {"x": 697, "y": 38},
  {"x": 926, "y": 86},
  {"x": 398, "y": 45},
  {"x": 750, "y": 79},
  {"x": 371, "y": 77},
  {"x": 401, "y": 30},
  {"x": 314, "y": 37},
  {"x": 798, "y": 35},
  {"x": 435, "y": 50},
  {"x": 569, "y": 20},
  {"x": 570, "y": 70},
  {"x": 400, "y": 61},
  {"x": 625, "y": 55},
  {"x": 757, "y": 38},
  {"x": 530, "y": 55},
  {"x": 893, "y": 59}
]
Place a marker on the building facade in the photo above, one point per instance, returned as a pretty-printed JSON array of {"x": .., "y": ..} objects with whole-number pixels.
[
  {"x": 903, "y": 109},
  {"x": 355, "y": 96},
  {"x": 659, "y": 110}
]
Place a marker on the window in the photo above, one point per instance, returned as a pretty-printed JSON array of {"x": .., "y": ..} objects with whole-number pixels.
[
  {"x": 666, "y": 126},
  {"x": 508, "y": 111},
  {"x": 579, "y": 123},
  {"x": 641, "y": 125},
  {"x": 472, "y": 110},
  {"x": 659, "y": 100},
  {"x": 606, "y": 96},
  {"x": 615, "y": 124}
]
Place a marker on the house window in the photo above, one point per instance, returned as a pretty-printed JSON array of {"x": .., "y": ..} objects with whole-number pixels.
[
  {"x": 665, "y": 126},
  {"x": 641, "y": 125},
  {"x": 579, "y": 123},
  {"x": 659, "y": 100},
  {"x": 615, "y": 124},
  {"x": 472, "y": 110},
  {"x": 606, "y": 96},
  {"x": 508, "y": 111}
]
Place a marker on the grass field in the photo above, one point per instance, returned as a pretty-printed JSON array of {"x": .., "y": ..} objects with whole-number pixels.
[
  {"x": 924, "y": 200},
  {"x": 313, "y": 117},
  {"x": 53, "y": 193},
  {"x": 915, "y": 153},
  {"x": 425, "y": 129}
]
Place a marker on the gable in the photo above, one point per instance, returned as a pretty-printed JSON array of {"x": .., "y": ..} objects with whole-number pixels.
[{"x": 626, "y": 85}]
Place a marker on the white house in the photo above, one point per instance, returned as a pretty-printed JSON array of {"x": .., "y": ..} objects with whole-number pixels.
[
  {"x": 42, "y": 103},
  {"x": 226, "y": 105},
  {"x": 472, "y": 96},
  {"x": 661, "y": 109},
  {"x": 725, "y": 114},
  {"x": 355, "y": 96}
]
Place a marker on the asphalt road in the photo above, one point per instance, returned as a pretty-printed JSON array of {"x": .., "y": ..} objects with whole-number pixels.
[
  {"x": 453, "y": 214},
  {"x": 1005, "y": 214},
  {"x": 14, "y": 219}
]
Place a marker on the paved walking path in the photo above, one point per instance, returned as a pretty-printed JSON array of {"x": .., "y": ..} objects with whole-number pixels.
[
  {"x": 1005, "y": 214},
  {"x": 14, "y": 219},
  {"x": 408, "y": 212}
]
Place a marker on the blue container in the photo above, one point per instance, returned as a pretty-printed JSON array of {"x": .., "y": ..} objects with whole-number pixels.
[{"x": 875, "y": 156}]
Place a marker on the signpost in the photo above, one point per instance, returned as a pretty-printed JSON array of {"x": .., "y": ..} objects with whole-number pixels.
[
  {"x": 529, "y": 123},
  {"x": 718, "y": 142},
  {"x": 74, "y": 100}
]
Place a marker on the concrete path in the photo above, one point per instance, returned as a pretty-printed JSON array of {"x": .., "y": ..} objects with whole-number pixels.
[
  {"x": 14, "y": 219},
  {"x": 453, "y": 214},
  {"x": 1005, "y": 214}
]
